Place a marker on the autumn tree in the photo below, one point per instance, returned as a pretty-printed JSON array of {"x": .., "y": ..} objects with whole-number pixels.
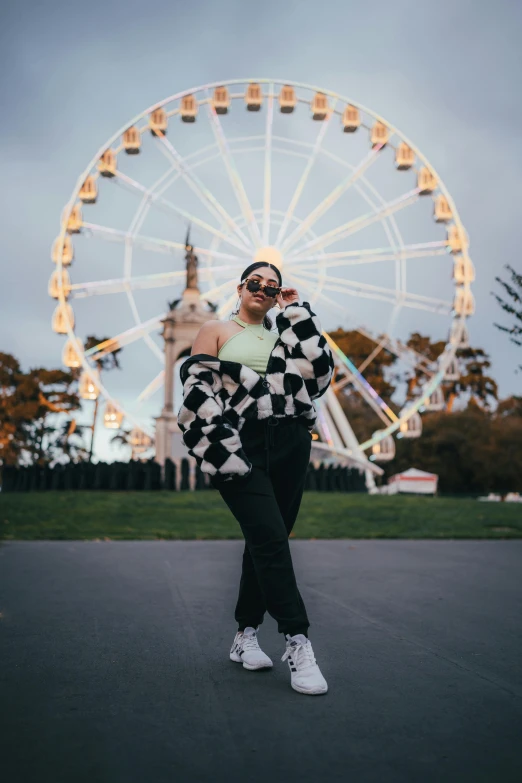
[
  {"x": 474, "y": 380},
  {"x": 375, "y": 362},
  {"x": 473, "y": 364},
  {"x": 369, "y": 356},
  {"x": 32, "y": 405},
  {"x": 11, "y": 434},
  {"x": 392, "y": 375},
  {"x": 426, "y": 353}
]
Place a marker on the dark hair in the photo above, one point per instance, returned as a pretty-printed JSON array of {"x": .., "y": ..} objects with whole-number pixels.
[{"x": 267, "y": 323}]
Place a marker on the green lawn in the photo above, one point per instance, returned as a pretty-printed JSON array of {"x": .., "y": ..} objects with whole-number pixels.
[{"x": 204, "y": 515}]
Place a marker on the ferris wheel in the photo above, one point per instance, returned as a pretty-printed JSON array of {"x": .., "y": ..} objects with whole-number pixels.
[{"x": 339, "y": 199}]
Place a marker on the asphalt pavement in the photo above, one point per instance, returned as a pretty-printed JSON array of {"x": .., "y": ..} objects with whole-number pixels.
[{"x": 115, "y": 668}]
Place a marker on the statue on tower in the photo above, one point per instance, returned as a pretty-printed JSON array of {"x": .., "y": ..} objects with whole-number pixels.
[{"x": 192, "y": 264}]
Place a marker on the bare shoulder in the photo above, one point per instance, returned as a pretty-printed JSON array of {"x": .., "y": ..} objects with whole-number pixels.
[
  {"x": 212, "y": 335},
  {"x": 209, "y": 327},
  {"x": 218, "y": 328}
]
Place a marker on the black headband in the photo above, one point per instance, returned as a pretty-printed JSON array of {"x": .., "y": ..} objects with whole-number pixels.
[{"x": 256, "y": 265}]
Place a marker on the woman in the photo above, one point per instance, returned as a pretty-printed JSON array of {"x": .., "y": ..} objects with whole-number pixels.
[{"x": 246, "y": 417}]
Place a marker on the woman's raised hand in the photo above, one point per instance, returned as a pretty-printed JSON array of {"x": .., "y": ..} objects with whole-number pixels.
[{"x": 287, "y": 296}]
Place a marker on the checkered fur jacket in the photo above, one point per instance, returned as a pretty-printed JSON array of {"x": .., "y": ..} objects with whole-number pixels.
[{"x": 219, "y": 396}]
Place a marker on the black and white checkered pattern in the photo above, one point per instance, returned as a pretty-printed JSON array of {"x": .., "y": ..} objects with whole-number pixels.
[{"x": 219, "y": 396}]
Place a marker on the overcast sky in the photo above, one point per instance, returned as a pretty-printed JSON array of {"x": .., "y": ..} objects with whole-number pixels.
[{"x": 446, "y": 73}]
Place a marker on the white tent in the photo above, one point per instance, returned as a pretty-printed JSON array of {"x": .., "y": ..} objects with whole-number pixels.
[{"x": 417, "y": 481}]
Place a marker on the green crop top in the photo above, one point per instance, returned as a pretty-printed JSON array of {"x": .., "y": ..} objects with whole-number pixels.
[{"x": 246, "y": 347}]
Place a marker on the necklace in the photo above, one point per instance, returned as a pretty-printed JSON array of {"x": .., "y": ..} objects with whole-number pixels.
[{"x": 249, "y": 326}]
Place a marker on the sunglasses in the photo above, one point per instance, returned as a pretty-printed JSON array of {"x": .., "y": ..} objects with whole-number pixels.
[{"x": 255, "y": 285}]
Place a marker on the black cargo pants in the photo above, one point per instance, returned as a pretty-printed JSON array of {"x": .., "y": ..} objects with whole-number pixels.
[{"x": 266, "y": 505}]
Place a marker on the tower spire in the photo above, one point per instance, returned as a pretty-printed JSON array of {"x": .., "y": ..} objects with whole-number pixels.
[{"x": 191, "y": 264}]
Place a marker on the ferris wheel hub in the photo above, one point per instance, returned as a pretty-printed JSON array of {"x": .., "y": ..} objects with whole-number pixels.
[{"x": 271, "y": 255}]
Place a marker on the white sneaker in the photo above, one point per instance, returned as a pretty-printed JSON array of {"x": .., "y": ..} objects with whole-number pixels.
[
  {"x": 246, "y": 650},
  {"x": 306, "y": 676}
]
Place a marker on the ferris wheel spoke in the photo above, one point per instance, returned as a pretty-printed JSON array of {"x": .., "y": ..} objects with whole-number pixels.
[
  {"x": 141, "y": 282},
  {"x": 224, "y": 309},
  {"x": 370, "y": 256},
  {"x": 199, "y": 189},
  {"x": 397, "y": 349},
  {"x": 233, "y": 174},
  {"x": 151, "y": 243},
  {"x": 369, "y": 291},
  {"x": 150, "y": 389},
  {"x": 362, "y": 367},
  {"x": 304, "y": 177},
  {"x": 394, "y": 346},
  {"x": 125, "y": 338},
  {"x": 219, "y": 289},
  {"x": 364, "y": 388},
  {"x": 331, "y": 199},
  {"x": 101, "y": 287},
  {"x": 376, "y": 351},
  {"x": 166, "y": 205},
  {"x": 401, "y": 351},
  {"x": 268, "y": 166},
  {"x": 353, "y": 226}
]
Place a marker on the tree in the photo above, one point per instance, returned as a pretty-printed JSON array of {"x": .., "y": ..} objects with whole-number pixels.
[
  {"x": 359, "y": 349},
  {"x": 70, "y": 440},
  {"x": 122, "y": 438},
  {"x": 11, "y": 436},
  {"x": 427, "y": 350},
  {"x": 514, "y": 308},
  {"x": 386, "y": 373},
  {"x": 127, "y": 438},
  {"x": 511, "y": 406},
  {"x": 472, "y": 451},
  {"x": 105, "y": 359},
  {"x": 31, "y": 406},
  {"x": 473, "y": 364}
]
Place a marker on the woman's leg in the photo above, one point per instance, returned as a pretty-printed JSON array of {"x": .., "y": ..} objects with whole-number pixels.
[
  {"x": 296, "y": 448},
  {"x": 250, "y": 606},
  {"x": 289, "y": 496},
  {"x": 255, "y": 507}
]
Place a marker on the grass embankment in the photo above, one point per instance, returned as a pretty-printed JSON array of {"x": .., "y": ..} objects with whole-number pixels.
[{"x": 204, "y": 515}]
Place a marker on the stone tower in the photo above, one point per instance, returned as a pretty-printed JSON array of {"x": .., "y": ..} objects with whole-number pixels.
[{"x": 180, "y": 327}]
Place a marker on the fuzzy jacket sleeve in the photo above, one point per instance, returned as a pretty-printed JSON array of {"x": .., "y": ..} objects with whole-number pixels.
[
  {"x": 300, "y": 331},
  {"x": 208, "y": 435}
]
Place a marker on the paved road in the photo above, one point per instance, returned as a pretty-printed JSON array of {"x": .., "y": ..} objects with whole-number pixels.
[{"x": 115, "y": 665}]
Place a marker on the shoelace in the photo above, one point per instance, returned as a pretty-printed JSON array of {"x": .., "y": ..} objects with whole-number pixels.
[
  {"x": 250, "y": 642},
  {"x": 304, "y": 656}
]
